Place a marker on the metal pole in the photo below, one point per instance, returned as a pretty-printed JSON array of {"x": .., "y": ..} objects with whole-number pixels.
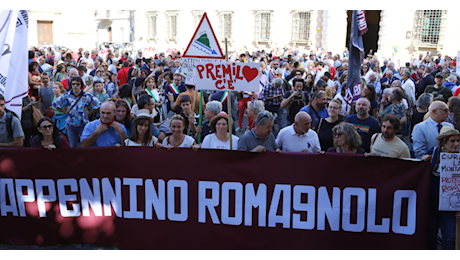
[{"x": 229, "y": 102}]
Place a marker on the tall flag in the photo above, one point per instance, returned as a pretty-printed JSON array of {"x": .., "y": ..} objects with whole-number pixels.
[
  {"x": 356, "y": 50},
  {"x": 14, "y": 26}
]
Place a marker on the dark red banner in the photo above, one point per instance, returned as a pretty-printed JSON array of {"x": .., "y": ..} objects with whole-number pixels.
[{"x": 147, "y": 198}]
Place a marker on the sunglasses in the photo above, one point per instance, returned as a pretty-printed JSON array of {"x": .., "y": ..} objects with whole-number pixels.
[
  {"x": 338, "y": 134},
  {"x": 50, "y": 127}
]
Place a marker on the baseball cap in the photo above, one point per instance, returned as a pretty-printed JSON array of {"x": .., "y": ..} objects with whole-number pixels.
[{"x": 440, "y": 74}]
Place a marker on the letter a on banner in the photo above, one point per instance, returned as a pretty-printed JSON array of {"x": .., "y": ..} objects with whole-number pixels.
[{"x": 204, "y": 43}]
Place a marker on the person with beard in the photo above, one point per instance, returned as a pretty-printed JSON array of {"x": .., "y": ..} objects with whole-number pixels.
[
  {"x": 365, "y": 124},
  {"x": 317, "y": 107},
  {"x": 387, "y": 144}
]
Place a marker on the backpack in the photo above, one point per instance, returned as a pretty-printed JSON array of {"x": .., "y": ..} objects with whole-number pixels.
[{"x": 9, "y": 121}]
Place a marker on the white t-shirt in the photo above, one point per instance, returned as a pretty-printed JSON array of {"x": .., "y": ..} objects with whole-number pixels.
[
  {"x": 212, "y": 142},
  {"x": 89, "y": 61},
  {"x": 290, "y": 141},
  {"x": 152, "y": 142},
  {"x": 187, "y": 143}
]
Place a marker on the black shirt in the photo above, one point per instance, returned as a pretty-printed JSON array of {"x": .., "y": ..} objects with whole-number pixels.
[{"x": 296, "y": 104}]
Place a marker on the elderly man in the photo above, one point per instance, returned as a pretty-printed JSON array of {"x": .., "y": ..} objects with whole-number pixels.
[
  {"x": 425, "y": 133},
  {"x": 272, "y": 94},
  {"x": 177, "y": 66},
  {"x": 212, "y": 108},
  {"x": 299, "y": 137},
  {"x": 260, "y": 138},
  {"x": 418, "y": 73},
  {"x": 377, "y": 85},
  {"x": 451, "y": 83},
  {"x": 89, "y": 61},
  {"x": 388, "y": 79},
  {"x": 387, "y": 144},
  {"x": 104, "y": 131},
  {"x": 365, "y": 124},
  {"x": 409, "y": 88},
  {"x": 271, "y": 73},
  {"x": 97, "y": 64},
  {"x": 70, "y": 75}
]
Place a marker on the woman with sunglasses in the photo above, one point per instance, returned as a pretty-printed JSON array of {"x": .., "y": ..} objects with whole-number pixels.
[
  {"x": 77, "y": 104},
  {"x": 48, "y": 136},
  {"x": 346, "y": 139}
]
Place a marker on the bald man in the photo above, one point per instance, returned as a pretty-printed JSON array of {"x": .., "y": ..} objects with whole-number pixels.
[
  {"x": 104, "y": 131},
  {"x": 365, "y": 124},
  {"x": 298, "y": 137},
  {"x": 425, "y": 133}
]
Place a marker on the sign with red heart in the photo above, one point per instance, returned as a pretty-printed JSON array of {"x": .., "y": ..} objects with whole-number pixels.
[{"x": 227, "y": 76}]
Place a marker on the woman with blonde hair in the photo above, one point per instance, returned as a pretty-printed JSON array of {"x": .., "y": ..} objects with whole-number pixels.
[{"x": 178, "y": 138}]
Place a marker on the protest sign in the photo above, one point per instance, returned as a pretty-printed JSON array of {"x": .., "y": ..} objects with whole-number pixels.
[
  {"x": 203, "y": 47},
  {"x": 142, "y": 198},
  {"x": 228, "y": 76},
  {"x": 449, "y": 190}
]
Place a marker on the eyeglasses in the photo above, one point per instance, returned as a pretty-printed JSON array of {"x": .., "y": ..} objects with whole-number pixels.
[
  {"x": 334, "y": 107},
  {"x": 277, "y": 74},
  {"x": 445, "y": 110},
  {"x": 76, "y": 84},
  {"x": 298, "y": 74},
  {"x": 50, "y": 127}
]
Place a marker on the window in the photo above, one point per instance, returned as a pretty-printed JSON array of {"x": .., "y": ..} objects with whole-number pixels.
[
  {"x": 197, "y": 15},
  {"x": 172, "y": 25},
  {"x": 301, "y": 26},
  {"x": 428, "y": 27},
  {"x": 152, "y": 24},
  {"x": 264, "y": 26},
  {"x": 225, "y": 25}
]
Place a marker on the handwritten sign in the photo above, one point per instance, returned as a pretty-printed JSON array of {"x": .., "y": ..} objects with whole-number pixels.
[
  {"x": 227, "y": 76},
  {"x": 449, "y": 190}
]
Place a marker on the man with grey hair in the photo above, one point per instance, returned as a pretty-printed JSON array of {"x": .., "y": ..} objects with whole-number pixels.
[
  {"x": 260, "y": 138},
  {"x": 451, "y": 83},
  {"x": 272, "y": 94},
  {"x": 391, "y": 67},
  {"x": 71, "y": 74},
  {"x": 373, "y": 80},
  {"x": 409, "y": 88},
  {"x": 212, "y": 108},
  {"x": 344, "y": 68},
  {"x": 104, "y": 131}
]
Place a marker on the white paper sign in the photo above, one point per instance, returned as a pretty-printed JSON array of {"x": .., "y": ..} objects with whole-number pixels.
[
  {"x": 188, "y": 64},
  {"x": 449, "y": 189},
  {"x": 227, "y": 76}
]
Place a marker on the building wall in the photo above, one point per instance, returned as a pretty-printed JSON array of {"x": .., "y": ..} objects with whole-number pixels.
[{"x": 70, "y": 29}]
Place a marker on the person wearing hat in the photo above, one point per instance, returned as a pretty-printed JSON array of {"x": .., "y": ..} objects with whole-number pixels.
[
  {"x": 141, "y": 134},
  {"x": 449, "y": 142},
  {"x": 220, "y": 138},
  {"x": 438, "y": 90}
]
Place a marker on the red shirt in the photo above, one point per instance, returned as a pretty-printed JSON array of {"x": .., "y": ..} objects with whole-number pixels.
[
  {"x": 123, "y": 76},
  {"x": 66, "y": 83}
]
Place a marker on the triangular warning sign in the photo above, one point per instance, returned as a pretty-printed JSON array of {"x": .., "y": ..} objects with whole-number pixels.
[{"x": 204, "y": 43}]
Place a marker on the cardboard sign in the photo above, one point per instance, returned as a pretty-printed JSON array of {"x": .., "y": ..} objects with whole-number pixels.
[
  {"x": 227, "y": 76},
  {"x": 449, "y": 190}
]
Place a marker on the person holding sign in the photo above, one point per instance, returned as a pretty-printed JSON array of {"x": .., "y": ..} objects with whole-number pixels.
[{"x": 449, "y": 142}]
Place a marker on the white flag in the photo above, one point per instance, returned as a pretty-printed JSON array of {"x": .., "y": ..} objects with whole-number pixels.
[{"x": 14, "y": 61}]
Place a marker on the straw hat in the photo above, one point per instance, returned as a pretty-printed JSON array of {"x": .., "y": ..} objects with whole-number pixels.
[
  {"x": 447, "y": 131},
  {"x": 216, "y": 118},
  {"x": 143, "y": 114}
]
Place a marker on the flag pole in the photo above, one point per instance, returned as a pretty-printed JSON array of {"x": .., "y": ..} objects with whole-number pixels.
[
  {"x": 201, "y": 115},
  {"x": 229, "y": 102}
]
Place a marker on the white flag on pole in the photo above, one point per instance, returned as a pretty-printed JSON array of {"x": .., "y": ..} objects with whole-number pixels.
[{"x": 14, "y": 60}]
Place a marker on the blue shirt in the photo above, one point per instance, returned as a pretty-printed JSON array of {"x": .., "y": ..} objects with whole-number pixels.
[
  {"x": 77, "y": 116},
  {"x": 314, "y": 119},
  {"x": 109, "y": 137}
]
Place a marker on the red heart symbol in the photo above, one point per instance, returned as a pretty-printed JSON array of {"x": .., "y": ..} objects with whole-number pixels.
[{"x": 249, "y": 73}]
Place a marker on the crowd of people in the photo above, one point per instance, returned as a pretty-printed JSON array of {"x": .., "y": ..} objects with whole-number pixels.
[{"x": 127, "y": 99}]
